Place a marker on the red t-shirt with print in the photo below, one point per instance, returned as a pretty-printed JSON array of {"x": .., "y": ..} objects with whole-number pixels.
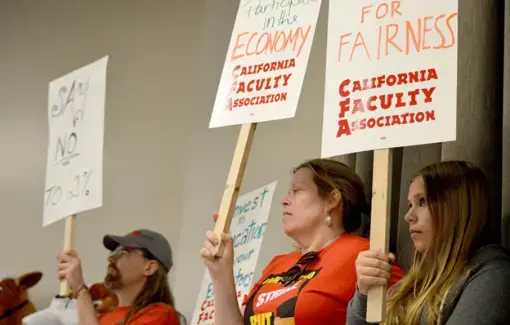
[
  {"x": 155, "y": 314},
  {"x": 319, "y": 297}
]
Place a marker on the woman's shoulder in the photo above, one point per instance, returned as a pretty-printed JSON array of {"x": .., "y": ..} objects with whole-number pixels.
[
  {"x": 485, "y": 287},
  {"x": 490, "y": 257}
]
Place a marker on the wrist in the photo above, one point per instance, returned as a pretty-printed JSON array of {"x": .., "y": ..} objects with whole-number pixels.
[
  {"x": 80, "y": 290},
  {"x": 222, "y": 279}
]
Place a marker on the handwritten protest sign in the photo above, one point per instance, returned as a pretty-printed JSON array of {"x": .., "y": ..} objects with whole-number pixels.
[
  {"x": 247, "y": 231},
  {"x": 74, "y": 170},
  {"x": 266, "y": 61},
  {"x": 391, "y": 75}
]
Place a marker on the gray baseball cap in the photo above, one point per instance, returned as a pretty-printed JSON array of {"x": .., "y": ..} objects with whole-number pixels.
[{"x": 155, "y": 243}]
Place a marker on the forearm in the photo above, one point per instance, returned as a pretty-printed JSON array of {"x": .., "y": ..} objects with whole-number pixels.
[
  {"x": 86, "y": 311},
  {"x": 226, "y": 307},
  {"x": 357, "y": 310}
]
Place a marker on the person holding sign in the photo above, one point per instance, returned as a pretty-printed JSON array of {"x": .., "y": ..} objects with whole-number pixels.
[
  {"x": 137, "y": 273},
  {"x": 312, "y": 285},
  {"x": 457, "y": 277}
]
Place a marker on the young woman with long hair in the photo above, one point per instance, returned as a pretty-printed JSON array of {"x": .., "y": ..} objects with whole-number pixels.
[{"x": 457, "y": 276}]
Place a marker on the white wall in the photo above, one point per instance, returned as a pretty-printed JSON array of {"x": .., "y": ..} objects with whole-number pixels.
[{"x": 163, "y": 167}]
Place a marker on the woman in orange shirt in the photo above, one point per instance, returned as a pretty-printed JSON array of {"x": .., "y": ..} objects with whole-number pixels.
[{"x": 312, "y": 285}]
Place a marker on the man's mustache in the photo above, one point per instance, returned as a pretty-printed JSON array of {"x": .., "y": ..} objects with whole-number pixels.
[{"x": 113, "y": 266}]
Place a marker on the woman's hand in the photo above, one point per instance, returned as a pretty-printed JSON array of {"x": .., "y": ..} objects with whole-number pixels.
[
  {"x": 69, "y": 268},
  {"x": 373, "y": 268},
  {"x": 218, "y": 265}
]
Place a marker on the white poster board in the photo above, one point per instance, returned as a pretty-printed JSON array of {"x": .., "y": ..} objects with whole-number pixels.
[
  {"x": 266, "y": 62},
  {"x": 391, "y": 75},
  {"x": 74, "y": 170},
  {"x": 247, "y": 230}
]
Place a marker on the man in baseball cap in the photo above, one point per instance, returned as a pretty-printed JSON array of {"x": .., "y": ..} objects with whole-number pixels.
[
  {"x": 153, "y": 242},
  {"x": 138, "y": 265}
]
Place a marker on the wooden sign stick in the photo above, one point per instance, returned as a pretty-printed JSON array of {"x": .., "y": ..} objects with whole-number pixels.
[
  {"x": 65, "y": 290},
  {"x": 234, "y": 181},
  {"x": 380, "y": 227}
]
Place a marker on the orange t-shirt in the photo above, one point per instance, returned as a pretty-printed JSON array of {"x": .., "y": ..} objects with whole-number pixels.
[
  {"x": 319, "y": 297},
  {"x": 155, "y": 314}
]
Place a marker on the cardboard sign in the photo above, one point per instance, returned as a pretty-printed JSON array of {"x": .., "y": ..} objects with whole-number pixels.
[
  {"x": 391, "y": 75},
  {"x": 248, "y": 228},
  {"x": 74, "y": 170},
  {"x": 266, "y": 61}
]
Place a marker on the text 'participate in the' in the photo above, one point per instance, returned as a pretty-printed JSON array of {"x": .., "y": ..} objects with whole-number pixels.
[
  {"x": 248, "y": 228},
  {"x": 266, "y": 61},
  {"x": 74, "y": 163},
  {"x": 391, "y": 75}
]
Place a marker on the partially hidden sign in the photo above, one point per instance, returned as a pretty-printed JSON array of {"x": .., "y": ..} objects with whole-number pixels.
[
  {"x": 391, "y": 75},
  {"x": 266, "y": 61},
  {"x": 74, "y": 170},
  {"x": 248, "y": 229}
]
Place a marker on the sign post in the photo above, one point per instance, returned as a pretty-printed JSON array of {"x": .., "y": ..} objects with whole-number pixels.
[
  {"x": 74, "y": 169},
  {"x": 391, "y": 81}
]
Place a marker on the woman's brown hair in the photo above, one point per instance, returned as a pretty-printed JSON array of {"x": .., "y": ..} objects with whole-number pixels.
[
  {"x": 332, "y": 175},
  {"x": 457, "y": 195}
]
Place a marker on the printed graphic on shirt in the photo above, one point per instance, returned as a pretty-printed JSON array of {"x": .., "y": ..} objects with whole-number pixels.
[{"x": 272, "y": 300}]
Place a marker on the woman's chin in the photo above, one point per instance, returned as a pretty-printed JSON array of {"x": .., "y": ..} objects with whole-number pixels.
[
  {"x": 288, "y": 230},
  {"x": 419, "y": 246}
]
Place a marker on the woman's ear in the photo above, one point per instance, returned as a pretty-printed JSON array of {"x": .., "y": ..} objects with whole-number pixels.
[{"x": 335, "y": 198}]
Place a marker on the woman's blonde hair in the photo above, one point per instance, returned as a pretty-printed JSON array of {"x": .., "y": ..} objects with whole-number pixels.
[{"x": 457, "y": 195}]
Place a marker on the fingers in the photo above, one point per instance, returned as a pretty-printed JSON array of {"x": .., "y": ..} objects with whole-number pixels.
[
  {"x": 225, "y": 238},
  {"x": 215, "y": 216},
  {"x": 211, "y": 243},
  {"x": 367, "y": 262},
  {"x": 392, "y": 257},
  {"x": 71, "y": 252},
  {"x": 63, "y": 270},
  {"x": 206, "y": 253},
  {"x": 62, "y": 275},
  {"x": 373, "y": 272},
  {"x": 212, "y": 237},
  {"x": 67, "y": 256},
  {"x": 373, "y": 267},
  {"x": 371, "y": 280},
  {"x": 375, "y": 254},
  {"x": 63, "y": 266}
]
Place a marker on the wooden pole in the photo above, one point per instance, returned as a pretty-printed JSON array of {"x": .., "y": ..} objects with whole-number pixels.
[
  {"x": 380, "y": 227},
  {"x": 65, "y": 290},
  {"x": 234, "y": 181}
]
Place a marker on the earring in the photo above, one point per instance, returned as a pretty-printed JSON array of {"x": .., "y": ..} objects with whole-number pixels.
[{"x": 328, "y": 221}]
